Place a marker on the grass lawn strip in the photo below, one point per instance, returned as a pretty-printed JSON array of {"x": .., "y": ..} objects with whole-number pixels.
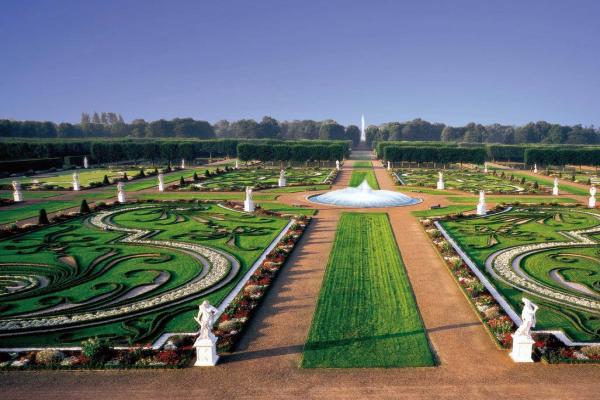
[
  {"x": 366, "y": 314},
  {"x": 358, "y": 176}
]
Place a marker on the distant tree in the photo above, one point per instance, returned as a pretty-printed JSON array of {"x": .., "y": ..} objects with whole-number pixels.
[
  {"x": 96, "y": 118},
  {"x": 353, "y": 133},
  {"x": 331, "y": 130},
  {"x": 85, "y": 118},
  {"x": 269, "y": 128}
]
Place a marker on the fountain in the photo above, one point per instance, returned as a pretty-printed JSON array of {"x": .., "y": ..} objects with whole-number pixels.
[{"x": 364, "y": 196}]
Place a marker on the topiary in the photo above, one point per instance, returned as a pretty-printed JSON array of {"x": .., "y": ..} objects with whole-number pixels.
[
  {"x": 181, "y": 181},
  {"x": 195, "y": 177},
  {"x": 95, "y": 349},
  {"x": 84, "y": 208},
  {"x": 43, "y": 217},
  {"x": 105, "y": 181}
]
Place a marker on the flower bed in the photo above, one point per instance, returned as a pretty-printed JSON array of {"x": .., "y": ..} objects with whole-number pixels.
[
  {"x": 233, "y": 321},
  {"x": 500, "y": 326}
]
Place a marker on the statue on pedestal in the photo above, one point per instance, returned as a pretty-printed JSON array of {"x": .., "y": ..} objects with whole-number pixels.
[
  {"x": 248, "y": 203},
  {"x": 17, "y": 193},
  {"x": 389, "y": 166},
  {"x": 481, "y": 207},
  {"x": 183, "y": 163},
  {"x": 337, "y": 164},
  {"x": 522, "y": 341},
  {"x": 282, "y": 181},
  {"x": 440, "y": 183},
  {"x": 535, "y": 170},
  {"x": 485, "y": 168},
  {"x": 161, "y": 182},
  {"x": 206, "y": 343},
  {"x": 85, "y": 162},
  {"x": 76, "y": 185},
  {"x": 555, "y": 188},
  {"x": 592, "y": 200},
  {"x": 237, "y": 164}
]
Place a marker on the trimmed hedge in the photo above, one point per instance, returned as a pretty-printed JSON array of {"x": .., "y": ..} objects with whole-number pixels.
[{"x": 442, "y": 154}]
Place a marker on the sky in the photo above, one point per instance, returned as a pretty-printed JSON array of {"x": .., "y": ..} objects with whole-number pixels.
[{"x": 454, "y": 62}]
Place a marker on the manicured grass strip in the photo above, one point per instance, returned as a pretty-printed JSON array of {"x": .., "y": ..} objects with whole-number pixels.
[
  {"x": 32, "y": 210},
  {"x": 285, "y": 209},
  {"x": 359, "y": 176},
  {"x": 362, "y": 164},
  {"x": 32, "y": 194},
  {"x": 366, "y": 315},
  {"x": 442, "y": 211},
  {"x": 513, "y": 199},
  {"x": 549, "y": 182},
  {"x": 296, "y": 189},
  {"x": 417, "y": 189},
  {"x": 204, "y": 196}
]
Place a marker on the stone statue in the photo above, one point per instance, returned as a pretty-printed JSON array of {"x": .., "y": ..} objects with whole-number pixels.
[
  {"x": 161, "y": 182},
  {"x": 183, "y": 163},
  {"x": 555, "y": 188},
  {"x": 535, "y": 170},
  {"x": 282, "y": 181},
  {"x": 593, "y": 190},
  {"x": 121, "y": 192},
  {"x": 389, "y": 166},
  {"x": 249, "y": 203},
  {"x": 337, "y": 164},
  {"x": 76, "y": 185},
  {"x": 485, "y": 168},
  {"x": 282, "y": 174},
  {"x": 522, "y": 341},
  {"x": 528, "y": 318},
  {"x": 17, "y": 193},
  {"x": 481, "y": 207},
  {"x": 440, "y": 183},
  {"x": 592, "y": 199},
  {"x": 237, "y": 164},
  {"x": 85, "y": 162},
  {"x": 206, "y": 319}
]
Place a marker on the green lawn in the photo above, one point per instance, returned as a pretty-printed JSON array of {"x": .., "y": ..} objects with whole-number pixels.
[
  {"x": 204, "y": 196},
  {"x": 64, "y": 179},
  {"x": 296, "y": 189},
  {"x": 513, "y": 199},
  {"x": 442, "y": 211},
  {"x": 32, "y": 194},
  {"x": 362, "y": 164},
  {"x": 366, "y": 314},
  {"x": 359, "y": 176},
  {"x": 31, "y": 210}
]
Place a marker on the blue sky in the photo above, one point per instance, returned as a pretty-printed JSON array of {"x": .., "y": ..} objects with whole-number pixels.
[{"x": 445, "y": 61}]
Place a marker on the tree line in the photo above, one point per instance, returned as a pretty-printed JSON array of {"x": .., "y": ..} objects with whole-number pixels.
[
  {"x": 560, "y": 156},
  {"x": 293, "y": 152},
  {"x": 440, "y": 154}
]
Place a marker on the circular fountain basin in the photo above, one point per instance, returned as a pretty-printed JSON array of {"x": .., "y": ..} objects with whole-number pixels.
[{"x": 363, "y": 196}]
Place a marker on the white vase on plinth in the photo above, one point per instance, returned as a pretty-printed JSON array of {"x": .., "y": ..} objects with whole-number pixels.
[
  {"x": 555, "y": 188},
  {"x": 206, "y": 351},
  {"x": 389, "y": 166},
  {"x": 237, "y": 164},
  {"x": 337, "y": 164},
  {"x": 535, "y": 170},
  {"x": 121, "y": 193},
  {"x": 182, "y": 163},
  {"x": 522, "y": 348},
  {"x": 85, "y": 162},
  {"x": 592, "y": 200},
  {"x": 485, "y": 168}
]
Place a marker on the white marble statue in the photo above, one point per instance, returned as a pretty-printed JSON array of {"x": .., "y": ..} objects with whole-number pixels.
[
  {"x": 535, "y": 170},
  {"x": 17, "y": 193},
  {"x": 522, "y": 340},
  {"x": 85, "y": 162},
  {"x": 485, "y": 168},
  {"x": 481, "y": 207},
  {"x": 389, "y": 166},
  {"x": 76, "y": 185},
  {"x": 592, "y": 200},
  {"x": 249, "y": 203},
  {"x": 441, "y": 185},
  {"x": 161, "y": 182},
  {"x": 121, "y": 192},
  {"x": 282, "y": 181},
  {"x": 183, "y": 163},
  {"x": 337, "y": 164},
  {"x": 206, "y": 343},
  {"x": 555, "y": 188},
  {"x": 237, "y": 164}
]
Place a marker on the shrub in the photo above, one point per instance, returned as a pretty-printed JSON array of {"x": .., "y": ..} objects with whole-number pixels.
[
  {"x": 43, "y": 217},
  {"x": 105, "y": 181},
  {"x": 95, "y": 349},
  {"x": 591, "y": 352},
  {"x": 536, "y": 185},
  {"x": 181, "y": 181},
  {"x": 142, "y": 173},
  {"x": 49, "y": 357}
]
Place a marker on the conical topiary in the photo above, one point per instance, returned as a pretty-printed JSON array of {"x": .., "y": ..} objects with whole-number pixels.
[
  {"x": 43, "y": 217},
  {"x": 84, "y": 208}
]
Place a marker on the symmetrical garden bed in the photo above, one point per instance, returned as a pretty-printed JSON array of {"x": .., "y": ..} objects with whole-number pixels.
[
  {"x": 548, "y": 254},
  {"x": 467, "y": 180}
]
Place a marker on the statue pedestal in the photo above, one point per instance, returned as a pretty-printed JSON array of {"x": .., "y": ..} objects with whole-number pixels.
[
  {"x": 555, "y": 191},
  {"x": 522, "y": 348},
  {"x": 441, "y": 185},
  {"x": 17, "y": 196},
  {"x": 161, "y": 187},
  {"x": 206, "y": 352},
  {"x": 282, "y": 182},
  {"x": 76, "y": 186},
  {"x": 481, "y": 209},
  {"x": 248, "y": 206},
  {"x": 592, "y": 202},
  {"x": 121, "y": 197}
]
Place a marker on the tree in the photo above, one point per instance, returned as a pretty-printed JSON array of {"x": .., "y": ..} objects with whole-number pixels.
[
  {"x": 331, "y": 130},
  {"x": 43, "y": 217},
  {"x": 269, "y": 128},
  {"x": 84, "y": 208},
  {"x": 85, "y": 118},
  {"x": 181, "y": 181},
  {"x": 353, "y": 133},
  {"x": 245, "y": 128},
  {"x": 96, "y": 118}
]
